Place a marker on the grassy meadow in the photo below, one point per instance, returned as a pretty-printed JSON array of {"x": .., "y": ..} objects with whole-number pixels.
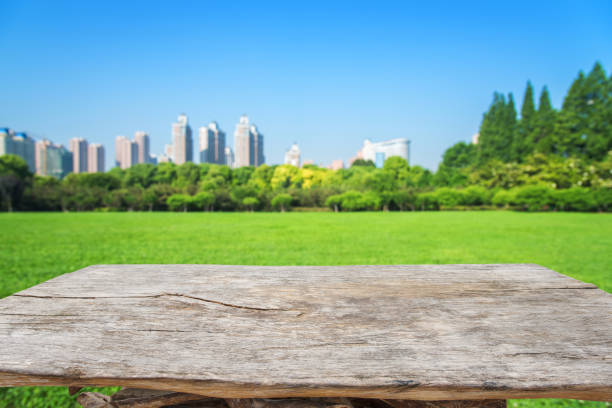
[{"x": 39, "y": 246}]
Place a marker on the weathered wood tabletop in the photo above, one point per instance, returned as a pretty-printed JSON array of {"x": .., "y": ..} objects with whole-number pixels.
[{"x": 421, "y": 332}]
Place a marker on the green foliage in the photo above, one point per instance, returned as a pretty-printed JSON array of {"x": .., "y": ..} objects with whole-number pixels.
[
  {"x": 250, "y": 203},
  {"x": 203, "y": 200},
  {"x": 534, "y": 198},
  {"x": 362, "y": 162},
  {"x": 178, "y": 202},
  {"x": 282, "y": 202},
  {"x": 14, "y": 178}
]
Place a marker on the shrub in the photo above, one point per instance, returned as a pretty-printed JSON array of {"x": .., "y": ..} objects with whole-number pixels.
[
  {"x": 574, "y": 199},
  {"x": 178, "y": 202},
  {"x": 603, "y": 198},
  {"x": 448, "y": 197},
  {"x": 282, "y": 202},
  {"x": 404, "y": 199},
  {"x": 427, "y": 201},
  {"x": 250, "y": 203},
  {"x": 204, "y": 200},
  {"x": 504, "y": 198},
  {"x": 476, "y": 195},
  {"x": 334, "y": 202},
  {"x": 534, "y": 198}
]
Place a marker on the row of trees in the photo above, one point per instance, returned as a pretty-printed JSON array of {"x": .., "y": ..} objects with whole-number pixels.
[
  {"x": 582, "y": 128},
  {"x": 563, "y": 158},
  {"x": 396, "y": 186}
]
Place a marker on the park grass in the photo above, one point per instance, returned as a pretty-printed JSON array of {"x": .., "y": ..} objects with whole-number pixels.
[{"x": 37, "y": 247}]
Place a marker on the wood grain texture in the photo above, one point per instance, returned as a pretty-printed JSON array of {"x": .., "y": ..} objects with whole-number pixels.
[{"x": 424, "y": 332}]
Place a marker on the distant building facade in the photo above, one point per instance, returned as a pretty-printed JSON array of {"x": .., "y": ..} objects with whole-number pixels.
[
  {"x": 475, "y": 137},
  {"x": 52, "y": 159},
  {"x": 95, "y": 158},
  {"x": 126, "y": 152},
  {"x": 142, "y": 142},
  {"x": 19, "y": 144},
  {"x": 293, "y": 156},
  {"x": 229, "y": 156},
  {"x": 212, "y": 144},
  {"x": 78, "y": 148},
  {"x": 337, "y": 165},
  {"x": 248, "y": 144},
  {"x": 381, "y": 151},
  {"x": 182, "y": 140}
]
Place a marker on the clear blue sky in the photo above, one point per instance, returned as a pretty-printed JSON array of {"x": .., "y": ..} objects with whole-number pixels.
[{"x": 325, "y": 74}]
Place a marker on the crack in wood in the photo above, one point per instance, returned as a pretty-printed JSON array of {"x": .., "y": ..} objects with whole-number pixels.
[{"x": 217, "y": 302}]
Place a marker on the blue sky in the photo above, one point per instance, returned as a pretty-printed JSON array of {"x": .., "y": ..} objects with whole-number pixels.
[{"x": 324, "y": 74}]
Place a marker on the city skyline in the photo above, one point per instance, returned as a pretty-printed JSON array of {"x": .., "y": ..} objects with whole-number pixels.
[{"x": 321, "y": 74}]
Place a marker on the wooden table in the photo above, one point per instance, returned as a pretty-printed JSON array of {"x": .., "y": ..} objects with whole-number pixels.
[{"x": 311, "y": 336}]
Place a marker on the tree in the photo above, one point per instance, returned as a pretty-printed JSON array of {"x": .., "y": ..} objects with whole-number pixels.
[
  {"x": 14, "y": 178},
  {"x": 204, "y": 200},
  {"x": 544, "y": 126},
  {"x": 459, "y": 155},
  {"x": 250, "y": 203},
  {"x": 282, "y": 201},
  {"x": 177, "y": 202},
  {"x": 523, "y": 143},
  {"x": 362, "y": 162}
]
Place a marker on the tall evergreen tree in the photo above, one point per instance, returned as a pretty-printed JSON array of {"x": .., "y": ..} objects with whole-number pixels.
[
  {"x": 489, "y": 141},
  {"x": 598, "y": 125},
  {"x": 509, "y": 131},
  {"x": 584, "y": 127},
  {"x": 569, "y": 138},
  {"x": 544, "y": 125},
  {"x": 523, "y": 142}
]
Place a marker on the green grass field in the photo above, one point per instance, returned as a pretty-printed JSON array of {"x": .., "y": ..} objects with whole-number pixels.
[{"x": 37, "y": 247}]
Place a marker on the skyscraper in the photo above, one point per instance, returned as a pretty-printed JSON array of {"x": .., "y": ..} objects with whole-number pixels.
[
  {"x": 126, "y": 152},
  {"x": 95, "y": 158},
  {"x": 292, "y": 156},
  {"x": 229, "y": 156},
  {"x": 248, "y": 144},
  {"x": 142, "y": 141},
  {"x": 182, "y": 140},
  {"x": 52, "y": 160},
  {"x": 212, "y": 144},
  {"x": 19, "y": 144},
  {"x": 78, "y": 148}
]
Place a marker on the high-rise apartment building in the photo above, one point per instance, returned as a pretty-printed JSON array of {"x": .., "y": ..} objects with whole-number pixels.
[
  {"x": 248, "y": 144},
  {"x": 182, "y": 141},
  {"x": 19, "y": 144},
  {"x": 212, "y": 144},
  {"x": 292, "y": 156},
  {"x": 78, "y": 148},
  {"x": 126, "y": 152},
  {"x": 229, "y": 156},
  {"x": 381, "y": 151},
  {"x": 142, "y": 141},
  {"x": 95, "y": 158},
  {"x": 52, "y": 159}
]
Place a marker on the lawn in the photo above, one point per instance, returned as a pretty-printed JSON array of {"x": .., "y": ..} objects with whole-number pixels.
[{"x": 38, "y": 247}]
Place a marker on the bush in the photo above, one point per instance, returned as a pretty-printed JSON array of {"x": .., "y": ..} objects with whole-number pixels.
[
  {"x": 250, "y": 203},
  {"x": 282, "y": 202},
  {"x": 334, "y": 202},
  {"x": 427, "y": 201},
  {"x": 178, "y": 202},
  {"x": 603, "y": 198},
  {"x": 534, "y": 198},
  {"x": 574, "y": 199},
  {"x": 504, "y": 198},
  {"x": 476, "y": 195},
  {"x": 204, "y": 200},
  {"x": 448, "y": 197}
]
